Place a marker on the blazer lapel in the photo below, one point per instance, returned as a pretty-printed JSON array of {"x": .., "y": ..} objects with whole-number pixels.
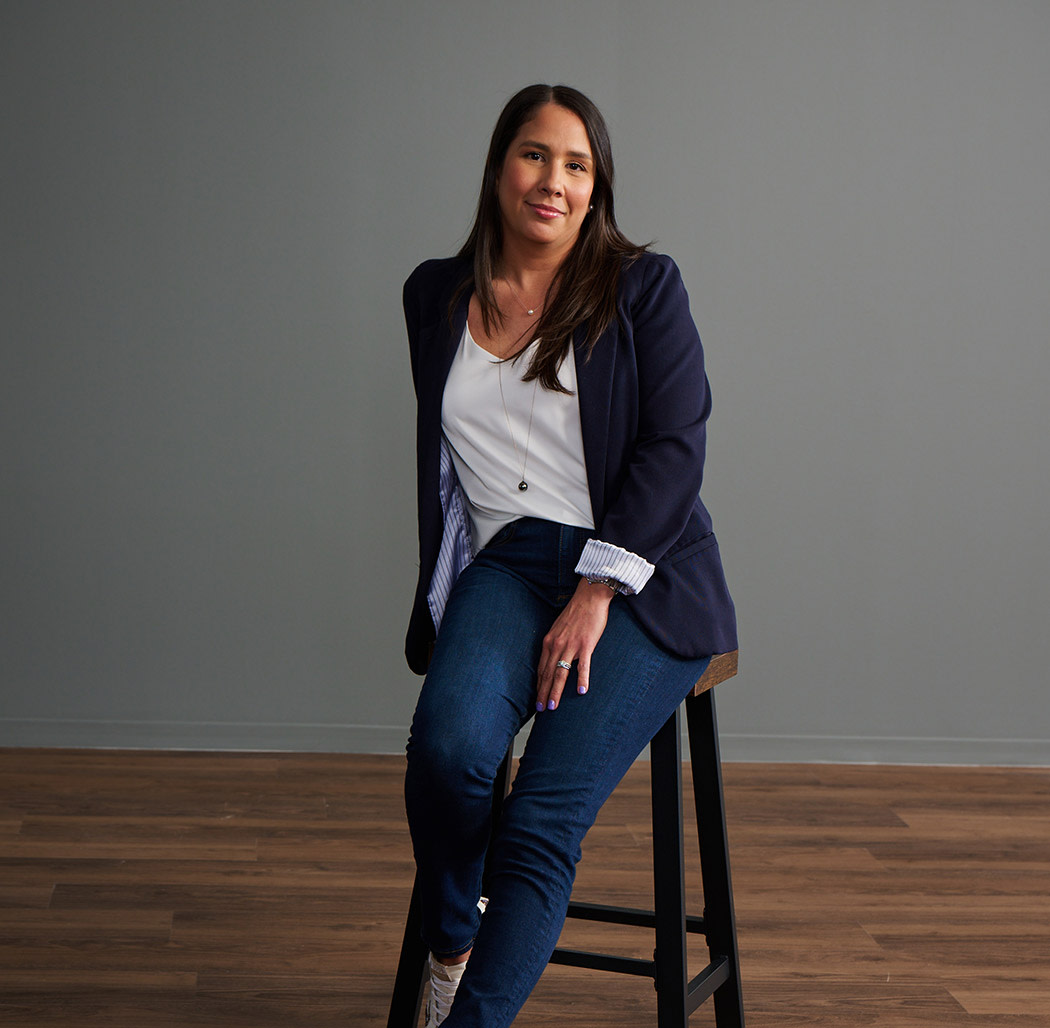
[
  {"x": 438, "y": 350},
  {"x": 594, "y": 379}
]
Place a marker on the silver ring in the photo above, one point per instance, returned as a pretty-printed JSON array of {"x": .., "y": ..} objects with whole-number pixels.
[{"x": 565, "y": 664}]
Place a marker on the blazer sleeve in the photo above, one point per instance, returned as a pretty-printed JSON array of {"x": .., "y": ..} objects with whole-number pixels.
[{"x": 660, "y": 483}]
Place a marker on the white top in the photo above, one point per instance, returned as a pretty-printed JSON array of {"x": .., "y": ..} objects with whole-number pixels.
[{"x": 493, "y": 447}]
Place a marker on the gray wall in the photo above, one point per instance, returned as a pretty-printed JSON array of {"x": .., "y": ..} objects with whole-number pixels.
[{"x": 206, "y": 520}]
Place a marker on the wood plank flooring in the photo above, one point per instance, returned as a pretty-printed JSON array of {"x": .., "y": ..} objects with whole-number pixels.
[{"x": 157, "y": 890}]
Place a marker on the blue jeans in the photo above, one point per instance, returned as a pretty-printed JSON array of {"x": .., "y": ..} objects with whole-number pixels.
[{"x": 480, "y": 690}]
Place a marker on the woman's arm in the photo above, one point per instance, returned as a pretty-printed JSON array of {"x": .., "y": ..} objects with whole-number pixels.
[
  {"x": 662, "y": 467},
  {"x": 659, "y": 483}
]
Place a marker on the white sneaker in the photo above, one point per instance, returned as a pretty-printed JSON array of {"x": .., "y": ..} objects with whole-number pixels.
[{"x": 444, "y": 980}]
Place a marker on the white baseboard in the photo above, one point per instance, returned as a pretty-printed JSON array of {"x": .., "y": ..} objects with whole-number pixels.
[
  {"x": 328, "y": 738},
  {"x": 204, "y": 735},
  {"x": 827, "y": 749}
]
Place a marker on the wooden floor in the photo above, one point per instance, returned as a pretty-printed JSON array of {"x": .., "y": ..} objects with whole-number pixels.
[{"x": 153, "y": 889}]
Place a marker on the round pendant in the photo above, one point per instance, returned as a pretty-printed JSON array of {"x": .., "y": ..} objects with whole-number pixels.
[{"x": 523, "y": 485}]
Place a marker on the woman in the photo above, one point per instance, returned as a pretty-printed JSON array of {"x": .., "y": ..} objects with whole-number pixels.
[{"x": 567, "y": 566}]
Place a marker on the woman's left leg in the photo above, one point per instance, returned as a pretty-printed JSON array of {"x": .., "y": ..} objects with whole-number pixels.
[{"x": 574, "y": 758}]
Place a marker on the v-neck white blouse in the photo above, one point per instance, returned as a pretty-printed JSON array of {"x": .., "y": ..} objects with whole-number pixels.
[{"x": 502, "y": 431}]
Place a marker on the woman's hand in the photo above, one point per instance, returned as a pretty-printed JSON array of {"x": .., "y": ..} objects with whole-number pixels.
[{"x": 572, "y": 637}]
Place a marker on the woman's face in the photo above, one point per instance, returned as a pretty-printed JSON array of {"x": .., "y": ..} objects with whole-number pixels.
[{"x": 546, "y": 181}]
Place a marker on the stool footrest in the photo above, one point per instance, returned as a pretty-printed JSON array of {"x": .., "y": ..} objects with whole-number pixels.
[
  {"x": 628, "y": 915},
  {"x": 703, "y": 986},
  {"x": 604, "y": 962}
]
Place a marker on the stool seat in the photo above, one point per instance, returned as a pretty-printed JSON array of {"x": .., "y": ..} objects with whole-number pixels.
[
  {"x": 720, "y": 667},
  {"x": 677, "y": 995}
]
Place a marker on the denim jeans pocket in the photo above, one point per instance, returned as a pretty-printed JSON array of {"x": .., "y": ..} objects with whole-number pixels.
[{"x": 503, "y": 536}]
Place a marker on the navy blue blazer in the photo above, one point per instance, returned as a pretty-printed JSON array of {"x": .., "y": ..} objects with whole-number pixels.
[{"x": 644, "y": 404}]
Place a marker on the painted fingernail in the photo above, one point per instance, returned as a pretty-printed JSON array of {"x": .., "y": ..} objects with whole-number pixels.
[
  {"x": 539, "y": 705},
  {"x": 551, "y": 704},
  {"x": 581, "y": 689}
]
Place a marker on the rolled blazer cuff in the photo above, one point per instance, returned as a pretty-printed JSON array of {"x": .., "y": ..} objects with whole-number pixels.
[{"x": 605, "y": 560}]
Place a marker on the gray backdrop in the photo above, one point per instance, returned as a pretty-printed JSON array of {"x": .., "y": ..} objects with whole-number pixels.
[{"x": 208, "y": 209}]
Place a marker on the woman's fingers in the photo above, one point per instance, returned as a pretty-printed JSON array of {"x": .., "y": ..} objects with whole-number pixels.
[
  {"x": 572, "y": 638},
  {"x": 552, "y": 678},
  {"x": 549, "y": 698},
  {"x": 583, "y": 674}
]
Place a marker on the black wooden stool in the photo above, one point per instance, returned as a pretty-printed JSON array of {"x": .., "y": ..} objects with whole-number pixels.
[{"x": 677, "y": 996}]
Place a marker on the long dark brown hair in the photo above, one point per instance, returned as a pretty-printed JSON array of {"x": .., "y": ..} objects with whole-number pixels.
[{"x": 584, "y": 288}]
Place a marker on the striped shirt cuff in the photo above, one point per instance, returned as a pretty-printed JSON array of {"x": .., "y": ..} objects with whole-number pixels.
[{"x": 604, "y": 560}]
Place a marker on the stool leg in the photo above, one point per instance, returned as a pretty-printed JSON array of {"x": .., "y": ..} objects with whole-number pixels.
[
  {"x": 407, "y": 999},
  {"x": 672, "y": 978},
  {"x": 719, "y": 918}
]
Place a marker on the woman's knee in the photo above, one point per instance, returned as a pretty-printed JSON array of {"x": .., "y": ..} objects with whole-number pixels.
[
  {"x": 541, "y": 832},
  {"x": 451, "y": 756}
]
